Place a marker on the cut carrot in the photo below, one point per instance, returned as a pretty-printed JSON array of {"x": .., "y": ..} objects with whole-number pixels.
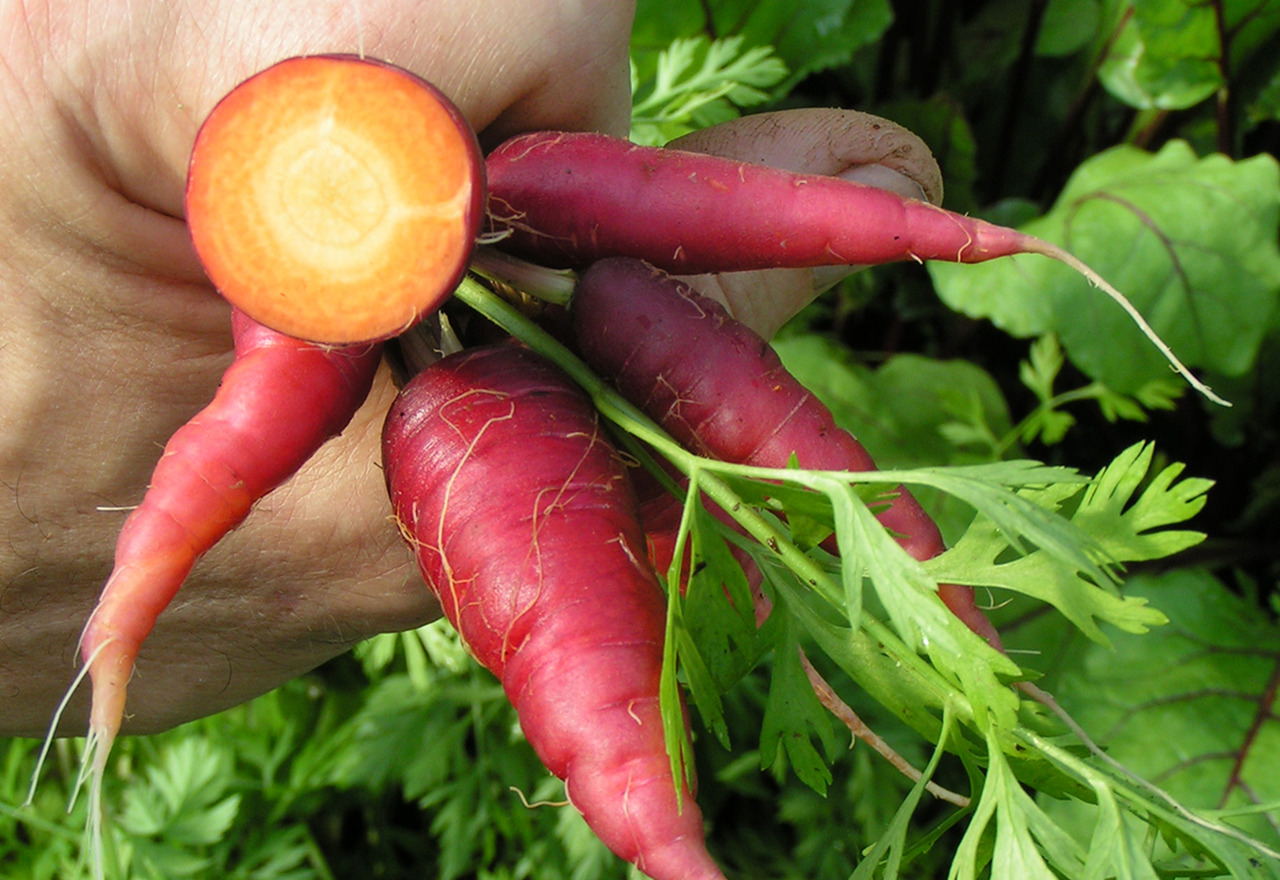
[{"x": 334, "y": 198}]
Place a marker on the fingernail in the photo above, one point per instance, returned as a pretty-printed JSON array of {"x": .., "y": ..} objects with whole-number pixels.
[{"x": 884, "y": 177}]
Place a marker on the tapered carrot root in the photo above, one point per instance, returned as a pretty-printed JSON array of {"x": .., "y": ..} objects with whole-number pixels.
[
  {"x": 720, "y": 389},
  {"x": 524, "y": 523},
  {"x": 278, "y": 402},
  {"x": 570, "y": 199},
  {"x": 335, "y": 198}
]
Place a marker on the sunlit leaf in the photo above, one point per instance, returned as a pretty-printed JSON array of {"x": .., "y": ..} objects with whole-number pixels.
[
  {"x": 1127, "y": 525},
  {"x": 810, "y": 36},
  {"x": 1191, "y": 241},
  {"x": 697, "y": 82},
  {"x": 1167, "y": 56},
  {"x": 1192, "y": 705}
]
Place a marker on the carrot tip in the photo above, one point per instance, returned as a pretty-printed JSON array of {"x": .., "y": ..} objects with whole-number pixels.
[{"x": 1048, "y": 249}]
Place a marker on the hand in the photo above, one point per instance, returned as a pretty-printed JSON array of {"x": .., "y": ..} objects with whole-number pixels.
[
  {"x": 840, "y": 143},
  {"x": 112, "y": 338}
]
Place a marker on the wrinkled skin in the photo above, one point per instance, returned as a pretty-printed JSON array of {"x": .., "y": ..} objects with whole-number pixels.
[{"x": 112, "y": 338}]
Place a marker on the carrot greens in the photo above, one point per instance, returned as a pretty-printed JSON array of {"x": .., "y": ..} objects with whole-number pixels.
[
  {"x": 1127, "y": 727},
  {"x": 1049, "y": 533}
]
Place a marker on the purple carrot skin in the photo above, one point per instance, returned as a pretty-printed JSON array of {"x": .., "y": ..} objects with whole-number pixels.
[
  {"x": 569, "y": 199},
  {"x": 278, "y": 402},
  {"x": 720, "y": 389},
  {"x": 524, "y": 523}
]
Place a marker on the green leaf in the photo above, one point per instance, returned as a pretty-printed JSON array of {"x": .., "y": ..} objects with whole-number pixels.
[
  {"x": 718, "y": 606},
  {"x": 1125, "y": 529},
  {"x": 1192, "y": 242},
  {"x": 910, "y": 598},
  {"x": 1167, "y": 56},
  {"x": 899, "y": 410},
  {"x": 810, "y": 36},
  {"x": 1068, "y": 26},
  {"x": 1019, "y": 515},
  {"x": 1116, "y": 848},
  {"x": 186, "y": 795},
  {"x": 697, "y": 82},
  {"x": 1126, "y": 526},
  {"x": 897, "y": 686},
  {"x": 714, "y": 629},
  {"x": 891, "y": 844},
  {"x": 1191, "y": 706},
  {"x": 793, "y": 717},
  {"x": 1040, "y": 370},
  {"x": 910, "y": 410}
]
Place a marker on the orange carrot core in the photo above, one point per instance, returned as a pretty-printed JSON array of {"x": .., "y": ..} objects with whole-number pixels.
[{"x": 334, "y": 198}]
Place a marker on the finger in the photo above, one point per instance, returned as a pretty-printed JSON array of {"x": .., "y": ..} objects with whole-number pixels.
[
  {"x": 829, "y": 141},
  {"x": 842, "y": 143},
  {"x": 507, "y": 64}
]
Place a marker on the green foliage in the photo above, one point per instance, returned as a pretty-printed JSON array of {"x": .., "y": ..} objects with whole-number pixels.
[
  {"x": 1134, "y": 133},
  {"x": 1168, "y": 54},
  {"x": 793, "y": 718},
  {"x": 1192, "y": 239},
  {"x": 695, "y": 83},
  {"x": 1206, "y": 682},
  {"x": 1125, "y": 528},
  {"x": 809, "y": 37}
]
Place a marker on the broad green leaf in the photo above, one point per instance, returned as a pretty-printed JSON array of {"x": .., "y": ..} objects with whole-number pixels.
[
  {"x": 1191, "y": 706},
  {"x": 810, "y": 37},
  {"x": 1266, "y": 104},
  {"x": 910, "y": 410},
  {"x": 902, "y": 410},
  {"x": 1167, "y": 56},
  {"x": 1191, "y": 242},
  {"x": 990, "y": 40},
  {"x": 1068, "y": 25}
]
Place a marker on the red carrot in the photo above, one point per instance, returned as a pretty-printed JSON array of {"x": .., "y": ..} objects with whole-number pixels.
[
  {"x": 720, "y": 389},
  {"x": 278, "y": 402},
  {"x": 525, "y": 525},
  {"x": 570, "y": 199}
]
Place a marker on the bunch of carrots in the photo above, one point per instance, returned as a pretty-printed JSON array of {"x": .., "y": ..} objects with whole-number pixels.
[{"x": 335, "y": 202}]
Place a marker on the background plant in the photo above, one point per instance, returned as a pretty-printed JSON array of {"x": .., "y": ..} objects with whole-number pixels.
[{"x": 1138, "y": 134}]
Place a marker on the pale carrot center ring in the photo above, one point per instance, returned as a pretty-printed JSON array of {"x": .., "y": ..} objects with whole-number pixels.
[
  {"x": 332, "y": 195},
  {"x": 334, "y": 198}
]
